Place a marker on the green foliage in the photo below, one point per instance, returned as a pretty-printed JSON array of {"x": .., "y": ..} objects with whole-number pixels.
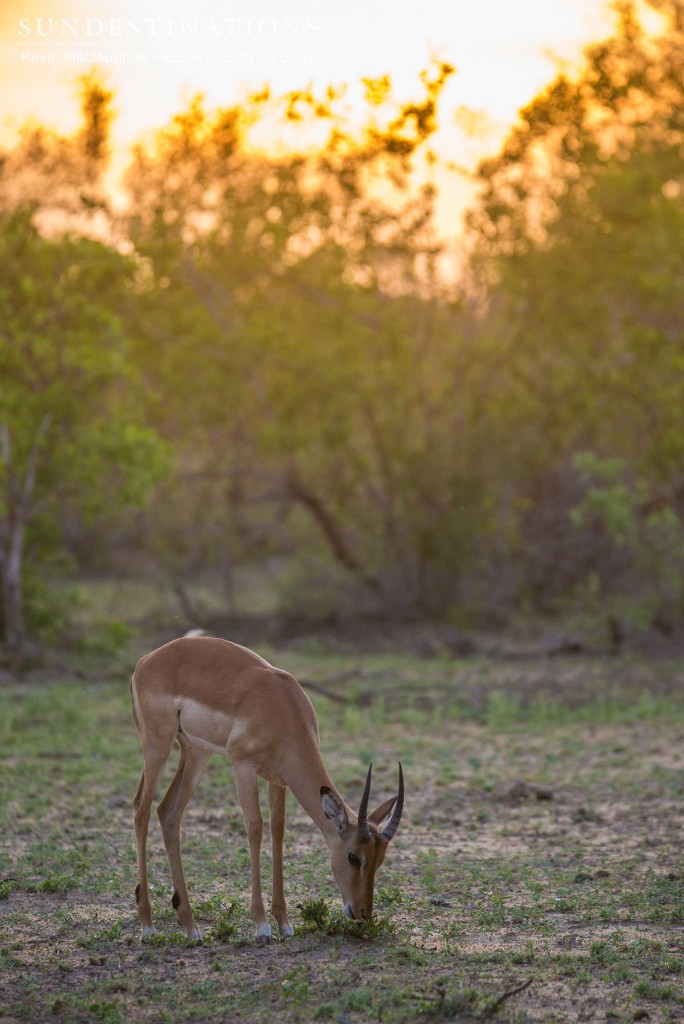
[
  {"x": 312, "y": 392},
  {"x": 58, "y": 883},
  {"x": 48, "y": 610},
  {"x": 105, "y": 1011},
  {"x": 104, "y": 637},
  {"x": 652, "y": 536},
  {"x": 6, "y": 887},
  {"x": 295, "y": 985},
  {"x": 583, "y": 326},
  {"x": 279, "y": 364},
  {"x": 608, "y": 498},
  {"x": 319, "y": 916},
  {"x": 73, "y": 439},
  {"x": 225, "y": 928}
]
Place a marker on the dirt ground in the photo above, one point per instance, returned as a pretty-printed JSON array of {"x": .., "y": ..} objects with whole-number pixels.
[{"x": 538, "y": 874}]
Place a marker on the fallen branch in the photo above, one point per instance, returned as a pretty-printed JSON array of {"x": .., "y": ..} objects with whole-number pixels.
[
  {"x": 330, "y": 694},
  {"x": 491, "y": 1010},
  {"x": 363, "y": 699},
  {"x": 58, "y": 755}
]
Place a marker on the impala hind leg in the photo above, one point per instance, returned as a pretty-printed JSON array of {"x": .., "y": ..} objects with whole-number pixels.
[
  {"x": 247, "y": 785},
  {"x": 191, "y": 768},
  {"x": 154, "y": 761},
  {"x": 276, "y": 802}
]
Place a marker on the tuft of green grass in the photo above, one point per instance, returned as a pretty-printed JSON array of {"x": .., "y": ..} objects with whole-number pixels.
[
  {"x": 107, "y": 1012},
  {"x": 295, "y": 985},
  {"x": 226, "y": 927},
  {"x": 319, "y": 916},
  {"x": 58, "y": 883},
  {"x": 6, "y": 887}
]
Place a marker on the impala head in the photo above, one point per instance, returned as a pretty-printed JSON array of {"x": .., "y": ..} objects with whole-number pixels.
[{"x": 357, "y": 849}]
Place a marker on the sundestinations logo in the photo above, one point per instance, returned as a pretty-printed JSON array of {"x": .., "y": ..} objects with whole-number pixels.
[
  {"x": 231, "y": 40},
  {"x": 73, "y": 30}
]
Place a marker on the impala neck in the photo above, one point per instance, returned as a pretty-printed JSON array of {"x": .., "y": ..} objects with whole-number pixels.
[{"x": 305, "y": 775}]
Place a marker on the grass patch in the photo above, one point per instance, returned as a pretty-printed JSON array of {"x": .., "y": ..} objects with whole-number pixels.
[
  {"x": 319, "y": 916},
  {"x": 226, "y": 926}
]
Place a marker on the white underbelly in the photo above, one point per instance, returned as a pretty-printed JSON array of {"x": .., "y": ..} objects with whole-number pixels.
[{"x": 206, "y": 728}]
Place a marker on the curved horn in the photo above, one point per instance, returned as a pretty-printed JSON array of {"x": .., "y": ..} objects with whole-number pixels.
[
  {"x": 363, "y": 806},
  {"x": 393, "y": 824}
]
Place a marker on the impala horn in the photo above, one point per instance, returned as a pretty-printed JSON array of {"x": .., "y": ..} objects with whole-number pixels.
[
  {"x": 363, "y": 808},
  {"x": 393, "y": 824}
]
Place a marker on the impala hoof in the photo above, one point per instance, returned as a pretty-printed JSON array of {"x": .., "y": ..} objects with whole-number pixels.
[
  {"x": 286, "y": 931},
  {"x": 263, "y": 934},
  {"x": 148, "y": 933},
  {"x": 196, "y": 936}
]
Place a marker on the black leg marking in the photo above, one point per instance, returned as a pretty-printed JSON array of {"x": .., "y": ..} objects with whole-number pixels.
[
  {"x": 175, "y": 901},
  {"x": 137, "y": 894}
]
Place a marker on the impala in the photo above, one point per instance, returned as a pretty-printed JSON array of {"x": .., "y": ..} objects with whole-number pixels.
[{"x": 215, "y": 697}]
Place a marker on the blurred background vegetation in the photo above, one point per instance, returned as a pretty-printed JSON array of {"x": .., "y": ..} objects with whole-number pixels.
[{"x": 247, "y": 382}]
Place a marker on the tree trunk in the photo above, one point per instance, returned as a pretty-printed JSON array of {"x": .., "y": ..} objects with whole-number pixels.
[
  {"x": 189, "y": 610},
  {"x": 12, "y": 594},
  {"x": 330, "y": 529},
  {"x": 18, "y": 508}
]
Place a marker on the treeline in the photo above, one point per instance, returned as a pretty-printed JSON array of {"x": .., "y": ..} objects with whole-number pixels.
[{"x": 257, "y": 354}]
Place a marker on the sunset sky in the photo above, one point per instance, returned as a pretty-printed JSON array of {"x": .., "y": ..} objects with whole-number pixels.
[{"x": 504, "y": 53}]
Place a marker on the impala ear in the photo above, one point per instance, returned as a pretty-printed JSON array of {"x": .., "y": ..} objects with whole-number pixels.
[
  {"x": 334, "y": 809},
  {"x": 383, "y": 811}
]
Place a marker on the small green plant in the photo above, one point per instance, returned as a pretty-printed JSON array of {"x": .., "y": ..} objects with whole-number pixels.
[
  {"x": 319, "y": 916},
  {"x": 453, "y": 938},
  {"x": 107, "y": 1012},
  {"x": 389, "y": 895},
  {"x": 226, "y": 927},
  {"x": 64, "y": 882},
  {"x": 113, "y": 933},
  {"x": 605, "y": 951},
  {"x": 57, "y": 883},
  {"x": 6, "y": 887},
  {"x": 429, "y": 870},
  {"x": 358, "y": 999},
  {"x": 647, "y": 990},
  {"x": 315, "y": 914},
  {"x": 209, "y": 906},
  {"x": 295, "y": 985},
  {"x": 503, "y": 709},
  {"x": 325, "y": 1011}
]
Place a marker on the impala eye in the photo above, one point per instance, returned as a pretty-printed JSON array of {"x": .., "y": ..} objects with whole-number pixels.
[{"x": 353, "y": 859}]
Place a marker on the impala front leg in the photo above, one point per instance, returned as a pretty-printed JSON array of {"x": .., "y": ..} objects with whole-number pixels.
[
  {"x": 247, "y": 785},
  {"x": 276, "y": 801}
]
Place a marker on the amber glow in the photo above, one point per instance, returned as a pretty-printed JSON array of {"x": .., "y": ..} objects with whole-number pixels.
[
  {"x": 158, "y": 56},
  {"x": 504, "y": 52}
]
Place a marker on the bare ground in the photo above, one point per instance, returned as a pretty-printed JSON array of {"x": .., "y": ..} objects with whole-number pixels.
[{"x": 485, "y": 889}]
